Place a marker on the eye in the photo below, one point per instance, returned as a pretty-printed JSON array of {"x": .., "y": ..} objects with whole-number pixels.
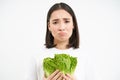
[
  {"x": 55, "y": 22},
  {"x": 67, "y": 21}
]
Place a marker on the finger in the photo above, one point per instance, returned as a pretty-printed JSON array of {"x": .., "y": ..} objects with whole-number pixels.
[
  {"x": 70, "y": 76},
  {"x": 65, "y": 77},
  {"x": 60, "y": 78},
  {"x": 53, "y": 74},
  {"x": 57, "y": 75},
  {"x": 44, "y": 78}
]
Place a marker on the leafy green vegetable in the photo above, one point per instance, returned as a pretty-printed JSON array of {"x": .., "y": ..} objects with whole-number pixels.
[{"x": 63, "y": 62}]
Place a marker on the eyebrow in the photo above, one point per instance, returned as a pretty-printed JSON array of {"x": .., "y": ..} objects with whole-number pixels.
[{"x": 59, "y": 19}]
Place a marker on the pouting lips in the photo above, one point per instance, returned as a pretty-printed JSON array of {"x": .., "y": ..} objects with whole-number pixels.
[{"x": 62, "y": 33}]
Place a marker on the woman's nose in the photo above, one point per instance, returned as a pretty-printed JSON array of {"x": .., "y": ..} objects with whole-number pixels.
[{"x": 62, "y": 27}]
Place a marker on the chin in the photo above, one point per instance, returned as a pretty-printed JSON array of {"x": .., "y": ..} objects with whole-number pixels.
[{"x": 63, "y": 39}]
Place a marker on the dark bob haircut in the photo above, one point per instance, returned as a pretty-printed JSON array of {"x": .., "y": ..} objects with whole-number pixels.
[{"x": 74, "y": 39}]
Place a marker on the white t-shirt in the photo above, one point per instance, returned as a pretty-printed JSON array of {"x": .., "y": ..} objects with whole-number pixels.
[{"x": 35, "y": 68}]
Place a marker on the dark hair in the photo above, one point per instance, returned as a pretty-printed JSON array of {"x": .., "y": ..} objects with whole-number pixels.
[{"x": 74, "y": 39}]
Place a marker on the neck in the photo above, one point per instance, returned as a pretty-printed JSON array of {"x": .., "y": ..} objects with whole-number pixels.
[{"x": 61, "y": 44}]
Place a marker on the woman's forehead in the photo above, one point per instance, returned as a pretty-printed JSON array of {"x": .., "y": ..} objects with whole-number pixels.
[{"x": 60, "y": 14}]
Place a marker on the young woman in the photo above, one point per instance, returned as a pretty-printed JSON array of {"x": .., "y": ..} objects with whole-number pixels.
[
  {"x": 62, "y": 36},
  {"x": 62, "y": 32}
]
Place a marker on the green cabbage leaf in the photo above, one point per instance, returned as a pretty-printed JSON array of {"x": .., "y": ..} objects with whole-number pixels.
[{"x": 63, "y": 62}]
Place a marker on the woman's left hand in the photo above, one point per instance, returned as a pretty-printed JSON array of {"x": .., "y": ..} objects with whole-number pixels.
[{"x": 68, "y": 77}]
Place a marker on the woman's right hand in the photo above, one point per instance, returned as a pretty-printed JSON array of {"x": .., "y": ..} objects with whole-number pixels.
[{"x": 57, "y": 75}]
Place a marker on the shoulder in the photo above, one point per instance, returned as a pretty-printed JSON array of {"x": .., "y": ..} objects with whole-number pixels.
[
  {"x": 43, "y": 53},
  {"x": 79, "y": 52}
]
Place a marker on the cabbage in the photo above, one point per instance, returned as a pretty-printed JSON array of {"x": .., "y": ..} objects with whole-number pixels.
[{"x": 63, "y": 62}]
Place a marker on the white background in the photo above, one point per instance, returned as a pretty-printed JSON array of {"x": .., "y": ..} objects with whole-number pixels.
[{"x": 23, "y": 26}]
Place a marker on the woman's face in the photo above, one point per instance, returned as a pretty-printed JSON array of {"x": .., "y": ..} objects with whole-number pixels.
[{"x": 61, "y": 25}]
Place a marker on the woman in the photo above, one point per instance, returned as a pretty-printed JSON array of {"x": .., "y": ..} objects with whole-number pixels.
[
  {"x": 62, "y": 32},
  {"x": 62, "y": 36}
]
